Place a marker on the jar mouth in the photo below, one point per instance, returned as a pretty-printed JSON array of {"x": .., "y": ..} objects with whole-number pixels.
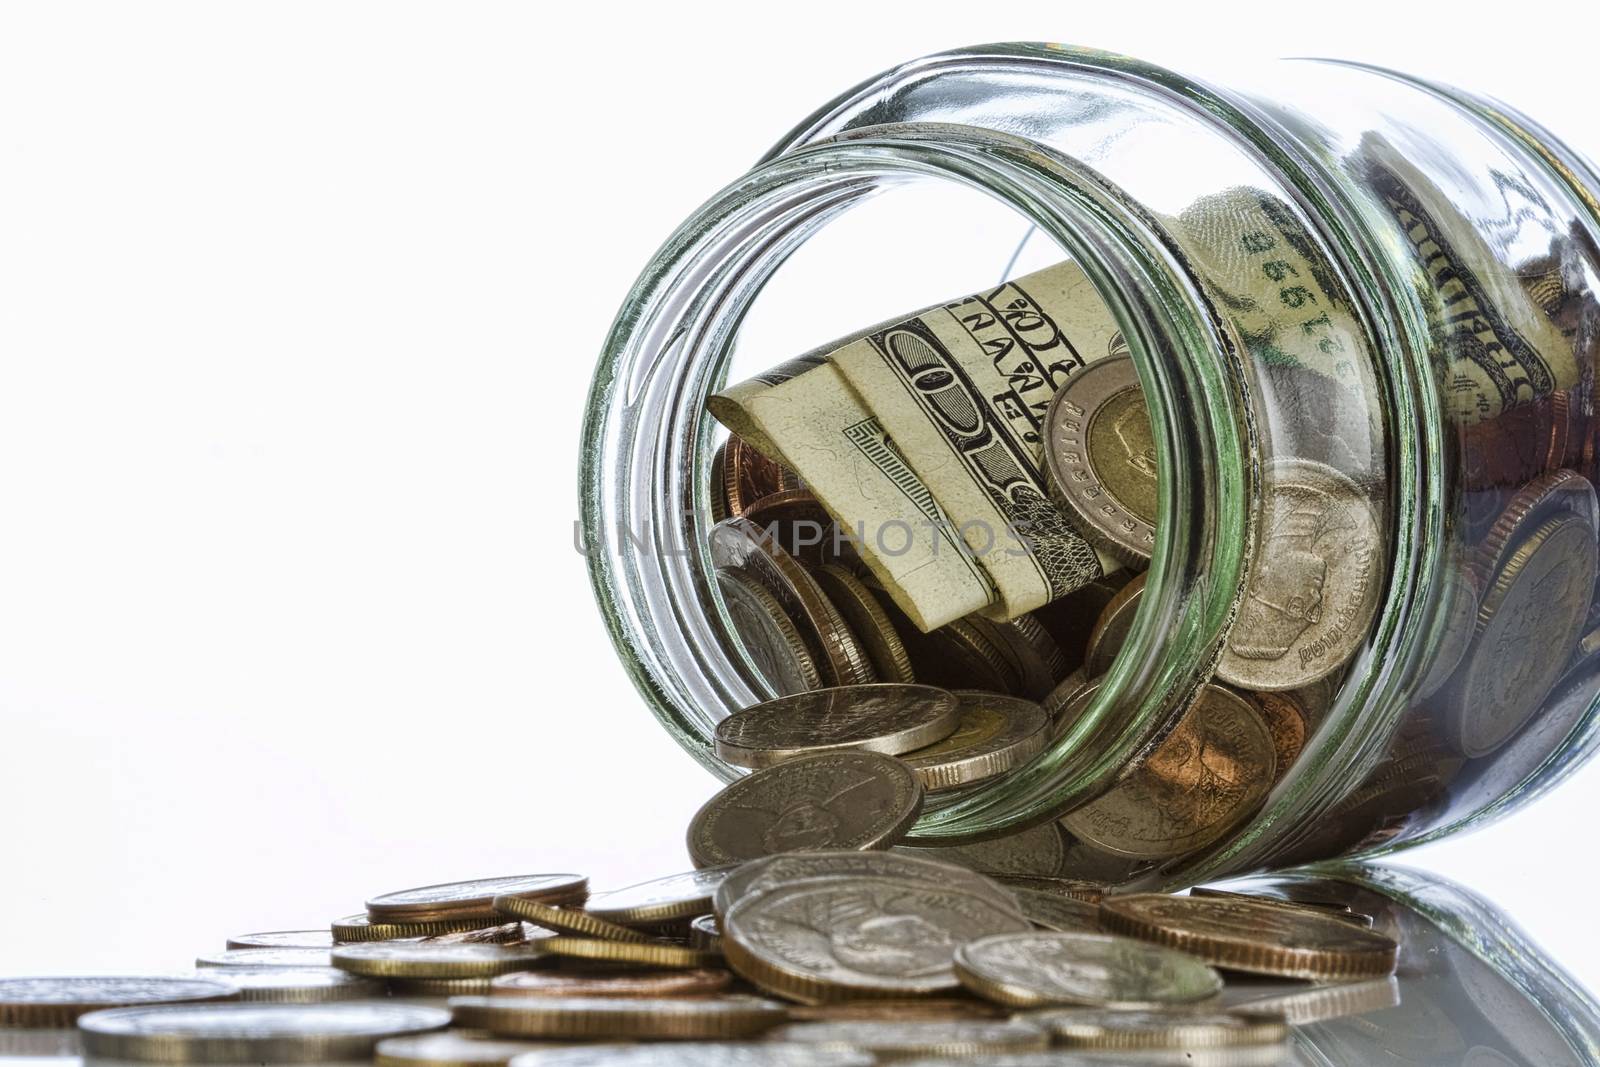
[{"x": 646, "y": 447}]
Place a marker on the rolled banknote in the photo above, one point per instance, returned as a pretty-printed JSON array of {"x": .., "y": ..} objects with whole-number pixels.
[{"x": 931, "y": 426}]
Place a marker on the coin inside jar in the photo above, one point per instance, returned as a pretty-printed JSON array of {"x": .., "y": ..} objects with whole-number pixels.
[
  {"x": 1101, "y": 457},
  {"x": 995, "y": 734},
  {"x": 1529, "y": 621},
  {"x": 1210, "y": 772},
  {"x": 885, "y": 718},
  {"x": 768, "y": 634},
  {"x": 1313, "y": 585},
  {"x": 1112, "y": 627}
]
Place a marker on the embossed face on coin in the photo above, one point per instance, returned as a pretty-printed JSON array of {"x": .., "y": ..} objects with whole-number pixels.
[
  {"x": 1314, "y": 585},
  {"x": 820, "y": 939},
  {"x": 884, "y": 718},
  {"x": 1213, "y": 770},
  {"x": 842, "y": 800}
]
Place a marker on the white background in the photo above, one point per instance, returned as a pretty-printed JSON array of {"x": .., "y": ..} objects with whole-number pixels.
[{"x": 298, "y": 307}]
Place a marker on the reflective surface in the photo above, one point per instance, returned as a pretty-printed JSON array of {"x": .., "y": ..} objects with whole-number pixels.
[{"x": 1470, "y": 991}]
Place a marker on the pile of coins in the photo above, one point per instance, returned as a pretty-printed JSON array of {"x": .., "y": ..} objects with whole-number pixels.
[
  {"x": 975, "y": 698},
  {"x": 835, "y": 958}
]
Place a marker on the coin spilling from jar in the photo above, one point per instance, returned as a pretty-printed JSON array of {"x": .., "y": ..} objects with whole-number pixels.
[
  {"x": 822, "y": 942},
  {"x": 967, "y": 500}
]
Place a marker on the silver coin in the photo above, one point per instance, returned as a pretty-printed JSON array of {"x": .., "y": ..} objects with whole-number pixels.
[
  {"x": 267, "y": 957},
  {"x": 967, "y": 1038},
  {"x": 837, "y": 800},
  {"x": 757, "y": 877},
  {"x": 1101, "y": 1028},
  {"x": 1056, "y": 912},
  {"x": 660, "y": 900},
  {"x": 432, "y": 1050},
  {"x": 698, "y": 1054},
  {"x": 1314, "y": 584},
  {"x": 884, "y": 717},
  {"x": 298, "y": 985},
  {"x": 283, "y": 939},
  {"x": 1040, "y": 850},
  {"x": 1035, "y": 969},
  {"x": 399, "y": 906},
  {"x": 252, "y": 1033},
  {"x": 816, "y": 940},
  {"x": 59, "y": 1001}
]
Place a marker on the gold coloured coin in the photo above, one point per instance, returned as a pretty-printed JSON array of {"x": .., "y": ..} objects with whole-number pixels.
[
  {"x": 439, "y": 987},
  {"x": 57, "y": 1002},
  {"x": 866, "y": 617},
  {"x": 1186, "y": 1030},
  {"x": 1210, "y": 773},
  {"x": 885, "y": 718},
  {"x": 361, "y": 928},
  {"x": 252, "y": 1033},
  {"x": 994, "y": 734},
  {"x": 450, "y": 1050},
  {"x": 574, "y": 921},
  {"x": 416, "y": 959},
  {"x": 1244, "y": 935},
  {"x": 299, "y": 985},
  {"x": 628, "y": 954},
  {"x": 617, "y": 1017},
  {"x": 837, "y": 800},
  {"x": 474, "y": 899},
  {"x": 699, "y": 982}
]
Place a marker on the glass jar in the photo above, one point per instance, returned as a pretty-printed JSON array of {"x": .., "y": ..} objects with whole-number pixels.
[
  {"x": 1361, "y": 310},
  {"x": 1470, "y": 987}
]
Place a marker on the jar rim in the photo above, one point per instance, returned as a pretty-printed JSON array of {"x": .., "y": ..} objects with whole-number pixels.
[{"x": 1186, "y": 364}]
